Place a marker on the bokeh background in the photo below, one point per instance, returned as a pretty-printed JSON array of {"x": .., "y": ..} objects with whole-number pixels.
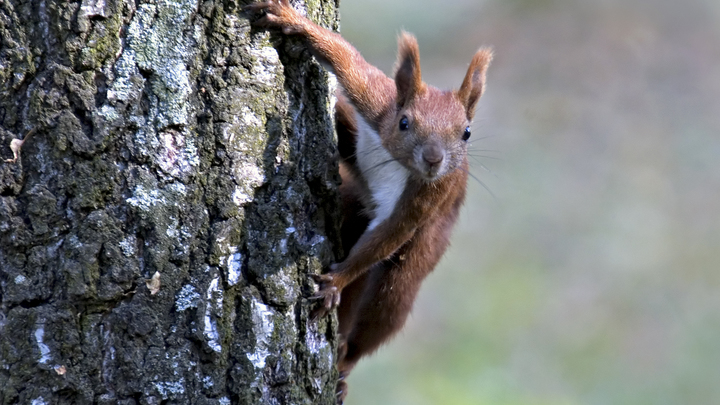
[{"x": 594, "y": 275}]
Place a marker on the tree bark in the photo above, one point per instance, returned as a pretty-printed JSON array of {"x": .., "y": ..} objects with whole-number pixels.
[{"x": 158, "y": 227}]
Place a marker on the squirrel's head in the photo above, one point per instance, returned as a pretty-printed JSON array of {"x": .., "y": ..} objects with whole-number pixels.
[{"x": 430, "y": 129}]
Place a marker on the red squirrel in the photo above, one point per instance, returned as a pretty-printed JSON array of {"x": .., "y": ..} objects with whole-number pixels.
[{"x": 404, "y": 172}]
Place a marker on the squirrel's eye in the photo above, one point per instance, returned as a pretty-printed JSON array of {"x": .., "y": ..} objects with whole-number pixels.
[
  {"x": 403, "y": 123},
  {"x": 466, "y": 134}
]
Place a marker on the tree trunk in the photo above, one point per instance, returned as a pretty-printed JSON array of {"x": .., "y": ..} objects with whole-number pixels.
[{"x": 158, "y": 227}]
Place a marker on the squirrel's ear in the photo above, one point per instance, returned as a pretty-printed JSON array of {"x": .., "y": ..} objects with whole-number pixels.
[
  {"x": 474, "y": 83},
  {"x": 407, "y": 71}
]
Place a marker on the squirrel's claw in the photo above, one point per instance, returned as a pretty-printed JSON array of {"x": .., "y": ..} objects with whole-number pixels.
[
  {"x": 272, "y": 7},
  {"x": 255, "y": 7},
  {"x": 266, "y": 21},
  {"x": 328, "y": 294},
  {"x": 322, "y": 278},
  {"x": 278, "y": 14},
  {"x": 330, "y": 297},
  {"x": 341, "y": 392}
]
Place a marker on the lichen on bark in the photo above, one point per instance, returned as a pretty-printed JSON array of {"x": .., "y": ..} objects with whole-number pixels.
[{"x": 172, "y": 138}]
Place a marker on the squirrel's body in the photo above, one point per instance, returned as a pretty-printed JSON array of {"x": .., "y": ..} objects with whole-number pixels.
[
  {"x": 378, "y": 189},
  {"x": 404, "y": 173}
]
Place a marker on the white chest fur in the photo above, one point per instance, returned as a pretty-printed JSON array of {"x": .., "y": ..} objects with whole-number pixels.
[{"x": 385, "y": 177}]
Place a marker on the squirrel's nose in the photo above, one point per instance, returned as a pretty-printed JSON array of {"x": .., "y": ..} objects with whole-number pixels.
[{"x": 432, "y": 154}]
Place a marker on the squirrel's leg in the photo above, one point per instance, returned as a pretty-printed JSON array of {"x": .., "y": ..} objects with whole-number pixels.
[
  {"x": 390, "y": 291},
  {"x": 367, "y": 87}
]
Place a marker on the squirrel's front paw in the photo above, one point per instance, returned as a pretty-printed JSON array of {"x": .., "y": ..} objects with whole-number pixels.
[
  {"x": 328, "y": 294},
  {"x": 278, "y": 13}
]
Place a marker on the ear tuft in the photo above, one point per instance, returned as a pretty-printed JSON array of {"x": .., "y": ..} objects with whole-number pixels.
[
  {"x": 474, "y": 84},
  {"x": 408, "y": 79}
]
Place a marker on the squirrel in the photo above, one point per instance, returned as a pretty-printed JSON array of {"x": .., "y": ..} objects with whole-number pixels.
[{"x": 404, "y": 170}]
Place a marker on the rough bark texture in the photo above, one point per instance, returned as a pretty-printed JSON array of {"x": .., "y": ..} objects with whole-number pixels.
[{"x": 171, "y": 138}]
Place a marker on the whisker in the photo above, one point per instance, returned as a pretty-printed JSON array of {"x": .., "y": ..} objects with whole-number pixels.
[
  {"x": 483, "y": 137},
  {"x": 484, "y": 156},
  {"x": 484, "y": 150},
  {"x": 479, "y": 181},
  {"x": 487, "y": 169},
  {"x": 382, "y": 164},
  {"x": 367, "y": 152}
]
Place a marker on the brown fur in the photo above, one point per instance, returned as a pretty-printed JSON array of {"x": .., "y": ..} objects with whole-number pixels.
[{"x": 376, "y": 284}]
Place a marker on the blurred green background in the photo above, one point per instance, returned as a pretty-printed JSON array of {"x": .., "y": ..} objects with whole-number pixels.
[{"x": 593, "y": 278}]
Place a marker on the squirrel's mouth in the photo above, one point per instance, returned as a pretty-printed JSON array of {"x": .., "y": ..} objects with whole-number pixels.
[{"x": 430, "y": 174}]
